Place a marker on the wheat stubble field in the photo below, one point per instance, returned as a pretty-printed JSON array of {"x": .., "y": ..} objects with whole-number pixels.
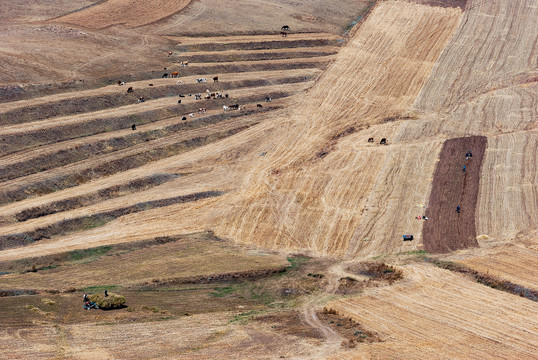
[{"x": 274, "y": 231}]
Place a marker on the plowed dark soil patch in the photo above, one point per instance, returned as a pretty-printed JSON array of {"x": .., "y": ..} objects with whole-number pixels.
[
  {"x": 290, "y": 323},
  {"x": 446, "y": 230}
]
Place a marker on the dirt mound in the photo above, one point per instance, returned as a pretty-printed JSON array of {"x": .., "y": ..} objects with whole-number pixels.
[{"x": 453, "y": 186}]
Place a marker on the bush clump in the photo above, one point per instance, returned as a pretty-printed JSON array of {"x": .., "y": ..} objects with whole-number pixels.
[{"x": 112, "y": 301}]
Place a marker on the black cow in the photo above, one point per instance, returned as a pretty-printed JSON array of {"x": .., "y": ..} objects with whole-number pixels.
[
  {"x": 184, "y": 118},
  {"x": 259, "y": 106},
  {"x": 179, "y": 101},
  {"x": 216, "y": 79},
  {"x": 130, "y": 90},
  {"x": 383, "y": 142},
  {"x": 133, "y": 127},
  {"x": 371, "y": 140},
  {"x": 165, "y": 75}
]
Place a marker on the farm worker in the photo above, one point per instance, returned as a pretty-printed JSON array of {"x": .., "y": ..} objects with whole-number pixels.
[
  {"x": 458, "y": 209},
  {"x": 106, "y": 293},
  {"x": 85, "y": 297},
  {"x": 464, "y": 167}
]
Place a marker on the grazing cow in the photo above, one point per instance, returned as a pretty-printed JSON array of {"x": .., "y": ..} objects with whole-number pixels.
[
  {"x": 133, "y": 127},
  {"x": 181, "y": 95},
  {"x": 267, "y": 99},
  {"x": 216, "y": 79},
  {"x": 383, "y": 142},
  {"x": 225, "y": 108},
  {"x": 141, "y": 99},
  {"x": 234, "y": 107},
  {"x": 201, "y": 80},
  {"x": 179, "y": 101},
  {"x": 197, "y": 96},
  {"x": 130, "y": 90},
  {"x": 150, "y": 84},
  {"x": 370, "y": 140},
  {"x": 184, "y": 118},
  {"x": 285, "y": 28},
  {"x": 184, "y": 63},
  {"x": 165, "y": 75},
  {"x": 283, "y": 33},
  {"x": 191, "y": 115},
  {"x": 174, "y": 74},
  {"x": 259, "y": 106}
]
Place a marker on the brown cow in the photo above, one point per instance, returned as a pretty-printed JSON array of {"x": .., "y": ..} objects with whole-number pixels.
[{"x": 174, "y": 74}]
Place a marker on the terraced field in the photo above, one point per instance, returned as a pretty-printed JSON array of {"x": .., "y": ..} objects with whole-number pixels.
[
  {"x": 66, "y": 140},
  {"x": 349, "y": 131}
]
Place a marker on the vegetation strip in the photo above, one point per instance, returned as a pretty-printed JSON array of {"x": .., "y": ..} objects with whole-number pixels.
[
  {"x": 216, "y": 58},
  {"x": 108, "y": 101},
  {"x": 214, "y": 278},
  {"x": 88, "y": 150},
  {"x": 92, "y": 221},
  {"x": 112, "y": 167},
  {"x": 22, "y": 141},
  {"x": 34, "y": 264},
  {"x": 488, "y": 280},
  {"x": 141, "y": 184},
  {"x": 260, "y": 45}
]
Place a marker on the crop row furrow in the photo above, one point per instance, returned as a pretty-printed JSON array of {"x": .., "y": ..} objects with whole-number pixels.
[{"x": 92, "y": 221}]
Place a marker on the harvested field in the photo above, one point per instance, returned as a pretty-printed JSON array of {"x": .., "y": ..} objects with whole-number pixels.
[
  {"x": 95, "y": 220},
  {"x": 234, "y": 44},
  {"x": 416, "y": 317},
  {"x": 508, "y": 199},
  {"x": 305, "y": 205},
  {"x": 513, "y": 262},
  {"x": 333, "y": 156},
  {"x": 254, "y": 56},
  {"x": 448, "y": 229},
  {"x": 126, "y": 12},
  {"x": 179, "y": 259}
]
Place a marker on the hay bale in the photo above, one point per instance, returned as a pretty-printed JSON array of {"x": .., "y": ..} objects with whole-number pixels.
[{"x": 112, "y": 301}]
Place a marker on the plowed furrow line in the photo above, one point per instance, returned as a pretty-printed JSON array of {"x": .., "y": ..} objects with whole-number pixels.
[
  {"x": 186, "y": 87},
  {"x": 246, "y": 39},
  {"x": 98, "y": 104},
  {"x": 257, "y": 56},
  {"x": 45, "y": 161},
  {"x": 157, "y": 110},
  {"x": 106, "y": 165},
  {"x": 89, "y": 222}
]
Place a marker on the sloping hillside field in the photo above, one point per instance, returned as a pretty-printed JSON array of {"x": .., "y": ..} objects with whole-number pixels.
[
  {"x": 452, "y": 207},
  {"x": 259, "y": 180}
]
